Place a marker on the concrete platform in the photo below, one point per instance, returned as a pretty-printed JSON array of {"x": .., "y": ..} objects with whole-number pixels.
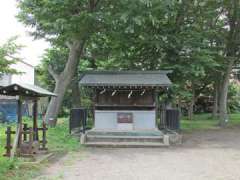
[
  {"x": 125, "y": 144},
  {"x": 99, "y": 138},
  {"x": 125, "y": 133}
]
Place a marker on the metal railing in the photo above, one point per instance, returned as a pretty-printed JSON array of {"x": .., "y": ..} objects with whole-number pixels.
[
  {"x": 78, "y": 119},
  {"x": 169, "y": 119}
]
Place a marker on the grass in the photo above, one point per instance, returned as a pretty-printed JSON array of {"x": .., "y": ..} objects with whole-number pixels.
[
  {"x": 205, "y": 121},
  {"x": 59, "y": 141},
  {"x": 5, "y": 164}
]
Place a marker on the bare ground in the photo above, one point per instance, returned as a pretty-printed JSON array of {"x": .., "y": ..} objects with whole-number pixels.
[{"x": 204, "y": 155}]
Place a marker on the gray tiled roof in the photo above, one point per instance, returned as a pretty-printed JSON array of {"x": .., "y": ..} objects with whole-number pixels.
[
  {"x": 125, "y": 78},
  {"x": 25, "y": 90}
]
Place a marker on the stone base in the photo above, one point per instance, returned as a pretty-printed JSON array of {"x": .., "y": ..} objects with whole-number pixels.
[
  {"x": 153, "y": 138},
  {"x": 175, "y": 138}
]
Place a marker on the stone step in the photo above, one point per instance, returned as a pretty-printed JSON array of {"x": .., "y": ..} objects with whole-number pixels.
[
  {"x": 125, "y": 144},
  {"x": 125, "y": 133},
  {"x": 102, "y": 138}
]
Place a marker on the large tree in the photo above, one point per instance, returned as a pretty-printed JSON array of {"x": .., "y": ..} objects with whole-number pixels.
[
  {"x": 197, "y": 39},
  {"x": 166, "y": 34},
  {"x": 230, "y": 14},
  {"x": 56, "y": 57},
  {"x": 71, "y": 23}
]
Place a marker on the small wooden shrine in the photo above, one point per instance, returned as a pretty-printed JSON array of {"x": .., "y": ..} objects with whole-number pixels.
[
  {"x": 125, "y": 104},
  {"x": 126, "y": 100},
  {"x": 27, "y": 139}
]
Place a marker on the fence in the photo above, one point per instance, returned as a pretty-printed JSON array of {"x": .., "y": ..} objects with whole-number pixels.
[
  {"x": 78, "y": 119},
  {"x": 28, "y": 136},
  {"x": 169, "y": 119}
]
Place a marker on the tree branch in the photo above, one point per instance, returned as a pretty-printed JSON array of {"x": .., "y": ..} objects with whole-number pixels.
[
  {"x": 93, "y": 5},
  {"x": 68, "y": 44},
  {"x": 97, "y": 1},
  {"x": 52, "y": 73}
]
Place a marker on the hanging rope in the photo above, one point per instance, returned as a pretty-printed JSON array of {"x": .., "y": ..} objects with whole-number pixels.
[
  {"x": 103, "y": 91},
  {"x": 143, "y": 92},
  {"x": 129, "y": 95},
  {"x": 114, "y": 92}
]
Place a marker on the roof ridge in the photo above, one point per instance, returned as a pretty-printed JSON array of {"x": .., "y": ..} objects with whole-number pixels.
[
  {"x": 128, "y": 72},
  {"x": 36, "y": 90},
  {"x": 125, "y": 78}
]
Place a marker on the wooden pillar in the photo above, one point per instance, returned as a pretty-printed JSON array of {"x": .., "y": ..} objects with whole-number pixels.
[
  {"x": 25, "y": 128},
  {"x": 19, "y": 125},
  {"x": 30, "y": 145},
  {"x": 44, "y": 136},
  {"x": 8, "y": 146},
  {"x": 156, "y": 105},
  {"x": 95, "y": 99},
  {"x": 35, "y": 116},
  {"x": 18, "y": 137},
  {"x": 19, "y": 111}
]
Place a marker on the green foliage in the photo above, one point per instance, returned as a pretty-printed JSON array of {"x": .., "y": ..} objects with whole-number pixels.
[
  {"x": 187, "y": 37},
  {"x": 157, "y": 35},
  {"x": 234, "y": 97},
  {"x": 8, "y": 52},
  {"x": 65, "y": 21}
]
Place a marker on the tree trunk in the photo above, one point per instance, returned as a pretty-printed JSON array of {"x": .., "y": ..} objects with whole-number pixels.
[
  {"x": 64, "y": 79},
  {"x": 76, "y": 101},
  {"x": 191, "y": 106},
  {"x": 179, "y": 107},
  {"x": 223, "y": 115},
  {"x": 216, "y": 98},
  {"x": 232, "y": 48}
]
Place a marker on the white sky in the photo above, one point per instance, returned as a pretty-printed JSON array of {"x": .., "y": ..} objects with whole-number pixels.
[{"x": 11, "y": 27}]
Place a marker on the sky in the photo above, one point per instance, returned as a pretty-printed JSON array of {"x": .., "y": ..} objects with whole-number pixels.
[{"x": 33, "y": 49}]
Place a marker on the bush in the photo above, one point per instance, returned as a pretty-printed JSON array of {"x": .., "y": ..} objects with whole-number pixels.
[{"x": 234, "y": 97}]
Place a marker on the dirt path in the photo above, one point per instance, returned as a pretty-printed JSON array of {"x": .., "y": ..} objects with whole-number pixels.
[{"x": 204, "y": 155}]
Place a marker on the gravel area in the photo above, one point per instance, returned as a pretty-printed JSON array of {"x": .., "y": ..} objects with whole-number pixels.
[{"x": 204, "y": 155}]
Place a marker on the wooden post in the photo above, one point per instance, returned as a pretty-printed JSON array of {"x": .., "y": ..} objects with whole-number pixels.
[
  {"x": 95, "y": 100},
  {"x": 17, "y": 140},
  {"x": 84, "y": 119},
  {"x": 8, "y": 146},
  {"x": 19, "y": 114},
  {"x": 25, "y": 128},
  {"x": 44, "y": 137},
  {"x": 156, "y": 106},
  {"x": 30, "y": 145},
  {"x": 35, "y": 114}
]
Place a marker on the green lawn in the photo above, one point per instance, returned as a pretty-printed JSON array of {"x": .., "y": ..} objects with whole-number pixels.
[
  {"x": 205, "y": 121},
  {"x": 59, "y": 141},
  {"x": 5, "y": 164}
]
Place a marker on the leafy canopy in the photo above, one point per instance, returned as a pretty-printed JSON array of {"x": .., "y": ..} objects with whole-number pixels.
[{"x": 8, "y": 55}]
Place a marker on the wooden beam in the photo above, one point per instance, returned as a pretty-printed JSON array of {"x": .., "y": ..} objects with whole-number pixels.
[
  {"x": 156, "y": 97},
  {"x": 17, "y": 140},
  {"x": 35, "y": 117},
  {"x": 19, "y": 115}
]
